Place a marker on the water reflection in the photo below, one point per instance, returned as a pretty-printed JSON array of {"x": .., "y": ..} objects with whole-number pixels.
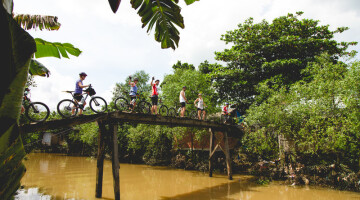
[{"x": 65, "y": 177}]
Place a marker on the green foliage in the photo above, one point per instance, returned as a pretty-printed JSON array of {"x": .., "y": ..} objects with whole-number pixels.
[
  {"x": 195, "y": 82},
  {"x": 36, "y": 68},
  {"x": 154, "y": 142},
  {"x": 319, "y": 115},
  {"x": 183, "y": 66},
  {"x": 281, "y": 49},
  {"x": 54, "y": 49},
  {"x": 144, "y": 87},
  {"x": 164, "y": 15}
]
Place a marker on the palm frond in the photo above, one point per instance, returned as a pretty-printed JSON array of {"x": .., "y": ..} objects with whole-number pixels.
[
  {"x": 164, "y": 14},
  {"x": 37, "y": 22}
]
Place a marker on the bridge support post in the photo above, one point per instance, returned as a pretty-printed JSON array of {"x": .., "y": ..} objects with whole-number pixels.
[
  {"x": 227, "y": 155},
  {"x": 211, "y": 148},
  {"x": 100, "y": 160},
  {"x": 115, "y": 160}
]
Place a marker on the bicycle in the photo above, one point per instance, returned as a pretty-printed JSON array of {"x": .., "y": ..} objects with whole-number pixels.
[
  {"x": 123, "y": 103},
  {"x": 35, "y": 111},
  {"x": 163, "y": 109},
  {"x": 176, "y": 110},
  {"x": 69, "y": 107}
]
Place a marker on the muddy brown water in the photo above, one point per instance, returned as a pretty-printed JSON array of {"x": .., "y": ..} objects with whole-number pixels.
[{"x": 54, "y": 176}]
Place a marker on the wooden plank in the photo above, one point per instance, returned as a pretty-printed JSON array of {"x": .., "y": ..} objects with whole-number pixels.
[
  {"x": 137, "y": 118},
  {"x": 115, "y": 160},
  {"x": 227, "y": 154},
  {"x": 100, "y": 160},
  {"x": 61, "y": 123},
  {"x": 212, "y": 138},
  {"x": 171, "y": 121}
]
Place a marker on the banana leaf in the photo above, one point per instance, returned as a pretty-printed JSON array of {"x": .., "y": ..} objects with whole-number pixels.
[
  {"x": 54, "y": 49},
  {"x": 164, "y": 15},
  {"x": 38, "y": 69}
]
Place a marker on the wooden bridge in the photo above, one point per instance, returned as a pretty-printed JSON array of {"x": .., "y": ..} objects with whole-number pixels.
[{"x": 108, "y": 126}]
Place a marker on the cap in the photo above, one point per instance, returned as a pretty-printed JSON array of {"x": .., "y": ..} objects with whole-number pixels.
[{"x": 83, "y": 74}]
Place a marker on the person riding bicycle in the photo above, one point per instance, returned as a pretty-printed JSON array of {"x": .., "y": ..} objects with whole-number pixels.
[
  {"x": 154, "y": 95},
  {"x": 78, "y": 92},
  {"x": 183, "y": 99},
  {"x": 200, "y": 106},
  {"x": 133, "y": 92},
  {"x": 225, "y": 112}
]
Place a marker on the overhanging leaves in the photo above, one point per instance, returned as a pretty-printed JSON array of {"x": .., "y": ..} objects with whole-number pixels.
[
  {"x": 164, "y": 14},
  {"x": 41, "y": 22},
  {"x": 114, "y": 4},
  {"x": 37, "y": 68},
  {"x": 188, "y": 2},
  {"x": 55, "y": 49}
]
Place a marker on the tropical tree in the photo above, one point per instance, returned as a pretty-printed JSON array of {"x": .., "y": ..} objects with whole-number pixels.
[
  {"x": 276, "y": 51},
  {"x": 184, "y": 74},
  {"x": 319, "y": 115}
]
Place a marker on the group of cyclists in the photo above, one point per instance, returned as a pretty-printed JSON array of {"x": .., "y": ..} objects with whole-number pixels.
[{"x": 198, "y": 103}]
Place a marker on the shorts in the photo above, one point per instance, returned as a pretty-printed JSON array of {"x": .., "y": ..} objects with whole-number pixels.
[
  {"x": 78, "y": 96},
  {"x": 154, "y": 100},
  {"x": 201, "y": 109},
  {"x": 182, "y": 104},
  {"x": 132, "y": 99}
]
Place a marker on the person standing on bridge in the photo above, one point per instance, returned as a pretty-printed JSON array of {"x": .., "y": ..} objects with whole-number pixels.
[
  {"x": 200, "y": 106},
  {"x": 183, "y": 101},
  {"x": 78, "y": 92},
  {"x": 225, "y": 112},
  {"x": 133, "y": 92},
  {"x": 154, "y": 95}
]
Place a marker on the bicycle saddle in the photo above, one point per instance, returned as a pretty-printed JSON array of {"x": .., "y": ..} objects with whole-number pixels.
[{"x": 68, "y": 91}]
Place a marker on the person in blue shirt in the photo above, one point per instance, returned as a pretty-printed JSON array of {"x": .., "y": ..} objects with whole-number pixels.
[
  {"x": 79, "y": 90},
  {"x": 133, "y": 92}
]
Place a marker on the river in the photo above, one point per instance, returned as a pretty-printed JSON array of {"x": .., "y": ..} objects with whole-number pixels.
[{"x": 55, "y": 176}]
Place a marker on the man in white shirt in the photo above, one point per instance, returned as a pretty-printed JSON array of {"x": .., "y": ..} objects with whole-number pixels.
[{"x": 183, "y": 99}]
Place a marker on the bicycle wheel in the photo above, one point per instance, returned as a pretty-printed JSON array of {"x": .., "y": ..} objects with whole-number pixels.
[
  {"x": 121, "y": 104},
  {"x": 67, "y": 108},
  {"x": 144, "y": 107},
  {"x": 37, "y": 112},
  {"x": 172, "y": 112},
  {"x": 98, "y": 104},
  {"x": 163, "y": 111}
]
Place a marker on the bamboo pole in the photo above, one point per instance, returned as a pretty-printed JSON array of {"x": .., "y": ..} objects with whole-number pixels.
[
  {"x": 227, "y": 154},
  {"x": 211, "y": 167},
  {"x": 115, "y": 160},
  {"x": 100, "y": 159}
]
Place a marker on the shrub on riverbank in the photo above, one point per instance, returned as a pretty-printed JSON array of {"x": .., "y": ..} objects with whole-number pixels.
[{"x": 310, "y": 124}]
